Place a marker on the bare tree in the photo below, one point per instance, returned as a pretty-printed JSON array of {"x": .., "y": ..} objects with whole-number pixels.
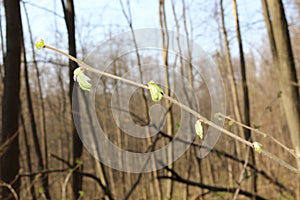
[
  {"x": 246, "y": 102},
  {"x": 283, "y": 60},
  {"x": 36, "y": 140},
  {"x": 165, "y": 49},
  {"x": 142, "y": 107},
  {"x": 2, "y": 47},
  {"x": 10, "y": 100},
  {"x": 69, "y": 13},
  {"x": 232, "y": 81}
]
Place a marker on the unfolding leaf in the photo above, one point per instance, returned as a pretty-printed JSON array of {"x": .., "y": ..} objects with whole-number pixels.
[
  {"x": 199, "y": 129},
  {"x": 155, "y": 91},
  {"x": 257, "y": 147},
  {"x": 82, "y": 79}
]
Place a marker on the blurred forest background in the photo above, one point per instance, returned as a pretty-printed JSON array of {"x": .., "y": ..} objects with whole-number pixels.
[{"x": 42, "y": 156}]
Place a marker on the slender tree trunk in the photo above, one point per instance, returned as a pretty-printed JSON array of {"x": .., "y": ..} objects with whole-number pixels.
[
  {"x": 169, "y": 118},
  {"x": 37, "y": 146},
  {"x": 189, "y": 58},
  {"x": 42, "y": 107},
  {"x": 2, "y": 48},
  {"x": 10, "y": 101},
  {"x": 283, "y": 58},
  {"x": 189, "y": 156},
  {"x": 69, "y": 14},
  {"x": 143, "y": 106},
  {"x": 232, "y": 82},
  {"x": 246, "y": 105},
  {"x": 28, "y": 157},
  {"x": 100, "y": 168}
]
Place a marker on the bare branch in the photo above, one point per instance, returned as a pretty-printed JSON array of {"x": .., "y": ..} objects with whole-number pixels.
[
  {"x": 176, "y": 177},
  {"x": 11, "y": 189}
]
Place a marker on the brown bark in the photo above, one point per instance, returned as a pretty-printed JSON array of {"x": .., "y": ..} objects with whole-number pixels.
[
  {"x": 2, "y": 49},
  {"x": 42, "y": 107},
  {"x": 10, "y": 102},
  {"x": 36, "y": 140},
  {"x": 284, "y": 62},
  {"x": 246, "y": 104},
  {"x": 283, "y": 59},
  {"x": 69, "y": 13},
  {"x": 169, "y": 118},
  {"x": 232, "y": 82},
  {"x": 28, "y": 156},
  {"x": 141, "y": 110}
]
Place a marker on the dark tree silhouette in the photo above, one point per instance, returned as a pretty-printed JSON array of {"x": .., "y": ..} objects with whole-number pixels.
[
  {"x": 10, "y": 102},
  {"x": 69, "y": 13}
]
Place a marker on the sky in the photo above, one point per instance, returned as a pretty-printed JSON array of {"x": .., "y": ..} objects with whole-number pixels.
[{"x": 96, "y": 20}]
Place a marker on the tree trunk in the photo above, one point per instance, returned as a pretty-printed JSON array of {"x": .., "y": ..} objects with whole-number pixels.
[
  {"x": 41, "y": 109},
  {"x": 283, "y": 58},
  {"x": 28, "y": 157},
  {"x": 10, "y": 102},
  {"x": 36, "y": 140},
  {"x": 2, "y": 49},
  {"x": 169, "y": 118},
  {"x": 247, "y": 132},
  {"x": 232, "y": 82},
  {"x": 69, "y": 14}
]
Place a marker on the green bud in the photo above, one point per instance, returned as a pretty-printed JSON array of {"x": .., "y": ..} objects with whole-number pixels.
[{"x": 40, "y": 44}]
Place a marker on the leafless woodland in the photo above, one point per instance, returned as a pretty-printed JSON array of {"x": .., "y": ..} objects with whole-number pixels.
[{"x": 42, "y": 155}]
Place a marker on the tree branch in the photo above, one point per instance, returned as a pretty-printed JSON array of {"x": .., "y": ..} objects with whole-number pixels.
[{"x": 176, "y": 177}]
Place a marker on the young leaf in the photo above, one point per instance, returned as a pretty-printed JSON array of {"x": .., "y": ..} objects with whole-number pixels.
[
  {"x": 199, "y": 129},
  {"x": 257, "y": 147},
  {"x": 155, "y": 91},
  {"x": 82, "y": 79}
]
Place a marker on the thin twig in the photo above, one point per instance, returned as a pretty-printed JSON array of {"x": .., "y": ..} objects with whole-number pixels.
[
  {"x": 92, "y": 176},
  {"x": 5, "y": 145},
  {"x": 176, "y": 177},
  {"x": 91, "y": 69},
  {"x": 270, "y": 178},
  {"x": 64, "y": 186},
  {"x": 186, "y": 108},
  {"x": 208, "y": 122},
  {"x": 242, "y": 175},
  {"x": 11, "y": 189},
  {"x": 291, "y": 151}
]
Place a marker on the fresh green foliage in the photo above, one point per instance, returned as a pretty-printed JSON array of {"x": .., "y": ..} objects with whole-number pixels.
[
  {"x": 199, "y": 129},
  {"x": 39, "y": 44},
  {"x": 257, "y": 147},
  {"x": 82, "y": 79},
  {"x": 155, "y": 91}
]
